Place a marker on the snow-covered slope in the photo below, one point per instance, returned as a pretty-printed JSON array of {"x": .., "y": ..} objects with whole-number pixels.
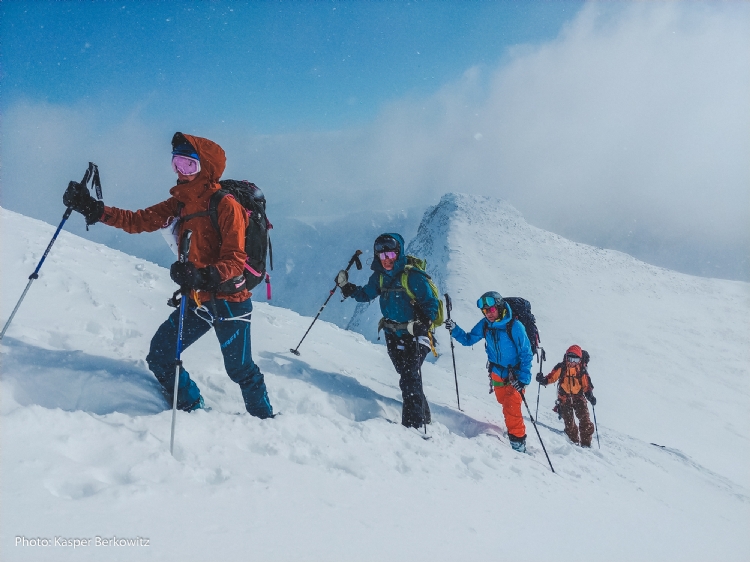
[
  {"x": 85, "y": 434},
  {"x": 670, "y": 352}
]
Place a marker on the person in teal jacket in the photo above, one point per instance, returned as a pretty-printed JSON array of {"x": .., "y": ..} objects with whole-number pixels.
[
  {"x": 406, "y": 322},
  {"x": 508, "y": 359}
]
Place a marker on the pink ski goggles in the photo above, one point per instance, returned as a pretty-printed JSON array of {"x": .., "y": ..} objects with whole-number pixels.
[
  {"x": 185, "y": 165},
  {"x": 387, "y": 255}
]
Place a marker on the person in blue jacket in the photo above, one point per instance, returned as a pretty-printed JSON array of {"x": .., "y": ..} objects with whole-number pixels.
[
  {"x": 508, "y": 359},
  {"x": 406, "y": 322}
]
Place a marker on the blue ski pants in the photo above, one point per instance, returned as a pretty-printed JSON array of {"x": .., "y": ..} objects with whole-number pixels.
[{"x": 234, "y": 338}]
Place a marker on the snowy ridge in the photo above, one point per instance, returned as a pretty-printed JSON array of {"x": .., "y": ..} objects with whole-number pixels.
[{"x": 85, "y": 433}]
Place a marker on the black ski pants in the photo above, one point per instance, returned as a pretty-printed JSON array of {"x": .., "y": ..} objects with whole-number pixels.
[{"x": 407, "y": 355}]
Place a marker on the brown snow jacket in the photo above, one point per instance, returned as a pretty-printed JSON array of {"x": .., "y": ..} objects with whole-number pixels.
[{"x": 228, "y": 257}]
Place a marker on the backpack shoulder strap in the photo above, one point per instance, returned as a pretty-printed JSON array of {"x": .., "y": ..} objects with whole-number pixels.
[
  {"x": 405, "y": 279},
  {"x": 213, "y": 210},
  {"x": 509, "y": 331},
  {"x": 405, "y": 282}
]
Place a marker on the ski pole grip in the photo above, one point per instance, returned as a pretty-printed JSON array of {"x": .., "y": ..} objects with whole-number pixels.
[
  {"x": 185, "y": 245},
  {"x": 448, "y": 305},
  {"x": 355, "y": 260}
]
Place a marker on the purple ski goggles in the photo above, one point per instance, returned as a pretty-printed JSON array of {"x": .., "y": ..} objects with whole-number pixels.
[{"x": 185, "y": 165}]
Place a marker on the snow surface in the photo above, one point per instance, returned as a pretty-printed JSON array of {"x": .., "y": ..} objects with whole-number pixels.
[{"x": 85, "y": 432}]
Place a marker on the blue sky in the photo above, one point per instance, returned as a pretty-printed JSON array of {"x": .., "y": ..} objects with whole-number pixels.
[
  {"x": 617, "y": 124},
  {"x": 275, "y": 66}
]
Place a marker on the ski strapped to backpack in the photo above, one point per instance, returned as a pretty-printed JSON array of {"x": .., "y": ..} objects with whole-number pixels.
[{"x": 257, "y": 234}]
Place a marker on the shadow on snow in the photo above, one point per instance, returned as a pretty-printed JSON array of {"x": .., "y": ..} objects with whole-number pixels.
[
  {"x": 73, "y": 380},
  {"x": 361, "y": 403}
]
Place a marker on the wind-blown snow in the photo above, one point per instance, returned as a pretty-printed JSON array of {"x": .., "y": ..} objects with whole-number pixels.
[{"x": 85, "y": 432}]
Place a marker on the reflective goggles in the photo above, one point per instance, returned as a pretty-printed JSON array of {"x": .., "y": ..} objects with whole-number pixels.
[
  {"x": 387, "y": 255},
  {"x": 487, "y": 302},
  {"x": 387, "y": 245},
  {"x": 486, "y": 309},
  {"x": 185, "y": 165},
  {"x": 572, "y": 359}
]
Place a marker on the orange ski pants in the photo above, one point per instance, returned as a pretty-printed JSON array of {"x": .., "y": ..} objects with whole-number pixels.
[{"x": 510, "y": 399}]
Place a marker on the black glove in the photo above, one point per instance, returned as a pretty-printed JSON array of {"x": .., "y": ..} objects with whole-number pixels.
[
  {"x": 518, "y": 385},
  {"x": 590, "y": 397},
  {"x": 187, "y": 276},
  {"x": 348, "y": 290},
  {"x": 541, "y": 379},
  {"x": 450, "y": 324},
  {"x": 416, "y": 329},
  {"x": 77, "y": 197}
]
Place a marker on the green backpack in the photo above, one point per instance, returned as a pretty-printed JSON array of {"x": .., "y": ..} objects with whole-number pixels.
[{"x": 414, "y": 263}]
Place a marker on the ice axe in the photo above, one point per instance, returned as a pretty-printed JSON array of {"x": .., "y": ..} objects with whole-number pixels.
[{"x": 353, "y": 261}]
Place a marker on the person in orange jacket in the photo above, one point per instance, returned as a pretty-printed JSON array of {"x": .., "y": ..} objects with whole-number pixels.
[
  {"x": 213, "y": 273},
  {"x": 573, "y": 389}
]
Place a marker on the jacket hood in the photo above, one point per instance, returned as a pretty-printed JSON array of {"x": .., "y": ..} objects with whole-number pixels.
[
  {"x": 399, "y": 264},
  {"x": 213, "y": 161},
  {"x": 212, "y": 157},
  {"x": 503, "y": 321}
]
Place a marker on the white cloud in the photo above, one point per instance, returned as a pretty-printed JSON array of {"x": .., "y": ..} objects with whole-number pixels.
[{"x": 634, "y": 120}]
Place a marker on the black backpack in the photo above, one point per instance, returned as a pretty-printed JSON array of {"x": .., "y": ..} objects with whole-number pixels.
[
  {"x": 257, "y": 236},
  {"x": 522, "y": 312}
]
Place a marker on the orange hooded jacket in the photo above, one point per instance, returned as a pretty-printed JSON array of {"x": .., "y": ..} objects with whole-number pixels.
[
  {"x": 573, "y": 380},
  {"x": 228, "y": 257}
]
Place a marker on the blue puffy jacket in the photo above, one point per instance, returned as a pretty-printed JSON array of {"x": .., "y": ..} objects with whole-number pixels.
[
  {"x": 502, "y": 352},
  {"x": 394, "y": 302}
]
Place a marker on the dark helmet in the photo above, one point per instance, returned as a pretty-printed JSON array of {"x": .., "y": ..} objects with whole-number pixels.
[
  {"x": 386, "y": 243},
  {"x": 491, "y": 298}
]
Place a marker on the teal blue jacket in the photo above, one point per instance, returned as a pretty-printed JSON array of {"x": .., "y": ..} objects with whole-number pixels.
[
  {"x": 502, "y": 351},
  {"x": 395, "y": 304}
]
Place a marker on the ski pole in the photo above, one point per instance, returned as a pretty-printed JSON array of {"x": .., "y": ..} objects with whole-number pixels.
[
  {"x": 90, "y": 171},
  {"x": 512, "y": 376},
  {"x": 184, "y": 251},
  {"x": 424, "y": 398},
  {"x": 537, "y": 431},
  {"x": 354, "y": 260},
  {"x": 593, "y": 409},
  {"x": 448, "y": 308},
  {"x": 542, "y": 357}
]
